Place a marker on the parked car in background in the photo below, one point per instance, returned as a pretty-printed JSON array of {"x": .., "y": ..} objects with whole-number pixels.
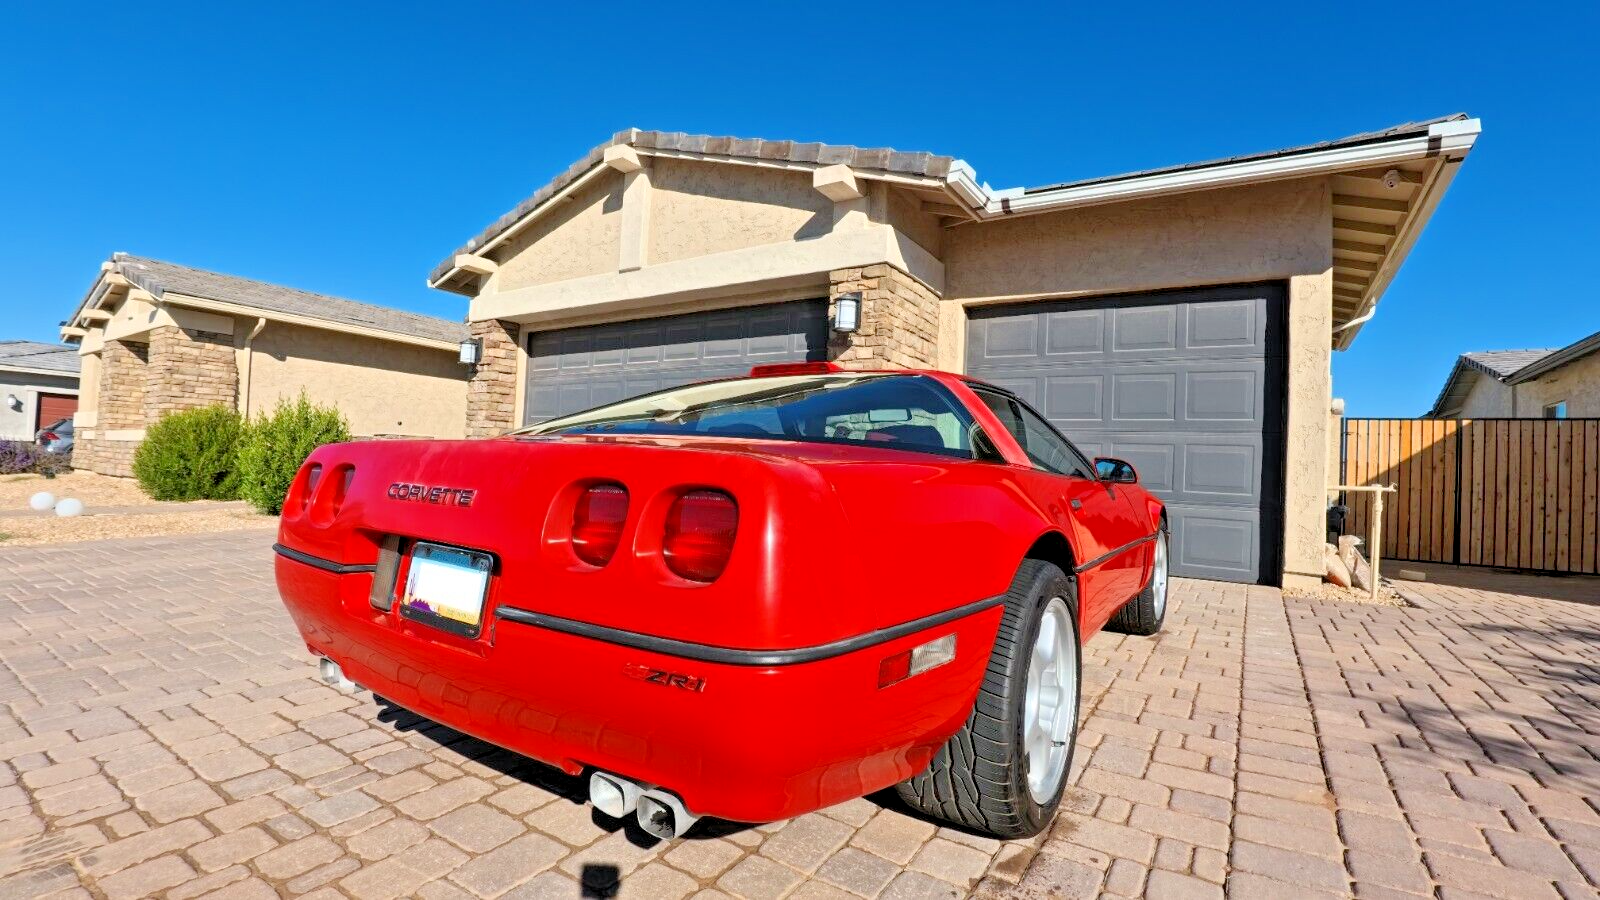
[
  {"x": 749, "y": 598},
  {"x": 55, "y": 437}
]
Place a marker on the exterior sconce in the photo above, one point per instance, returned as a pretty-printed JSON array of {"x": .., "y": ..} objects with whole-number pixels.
[
  {"x": 847, "y": 313},
  {"x": 471, "y": 352}
]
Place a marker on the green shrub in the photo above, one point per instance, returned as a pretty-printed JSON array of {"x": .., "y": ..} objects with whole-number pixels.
[
  {"x": 191, "y": 455},
  {"x": 274, "y": 447}
]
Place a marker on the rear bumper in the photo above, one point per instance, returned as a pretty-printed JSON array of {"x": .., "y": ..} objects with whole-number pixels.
[{"x": 769, "y": 736}]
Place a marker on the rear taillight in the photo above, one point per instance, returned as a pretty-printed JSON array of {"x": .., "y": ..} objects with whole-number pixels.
[
  {"x": 313, "y": 475},
  {"x": 49, "y": 437},
  {"x": 699, "y": 534},
  {"x": 597, "y": 523}
]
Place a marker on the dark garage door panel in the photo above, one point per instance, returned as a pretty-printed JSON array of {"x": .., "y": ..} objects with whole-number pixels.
[
  {"x": 573, "y": 369},
  {"x": 1187, "y": 386}
]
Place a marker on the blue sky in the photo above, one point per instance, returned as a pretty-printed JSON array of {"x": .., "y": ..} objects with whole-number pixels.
[{"x": 347, "y": 147}]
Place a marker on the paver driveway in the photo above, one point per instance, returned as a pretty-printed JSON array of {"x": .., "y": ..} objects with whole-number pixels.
[{"x": 162, "y": 733}]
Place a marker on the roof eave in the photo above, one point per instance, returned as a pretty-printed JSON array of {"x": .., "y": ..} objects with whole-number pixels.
[
  {"x": 207, "y": 304},
  {"x": 1570, "y": 353}
]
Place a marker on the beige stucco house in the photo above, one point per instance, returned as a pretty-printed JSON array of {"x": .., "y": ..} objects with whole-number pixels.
[
  {"x": 1182, "y": 318},
  {"x": 38, "y": 386},
  {"x": 1524, "y": 384},
  {"x": 156, "y": 337}
]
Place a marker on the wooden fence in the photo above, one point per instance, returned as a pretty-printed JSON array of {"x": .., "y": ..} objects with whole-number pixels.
[{"x": 1514, "y": 493}]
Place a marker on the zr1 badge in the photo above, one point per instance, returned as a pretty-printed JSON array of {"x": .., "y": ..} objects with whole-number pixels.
[{"x": 665, "y": 678}]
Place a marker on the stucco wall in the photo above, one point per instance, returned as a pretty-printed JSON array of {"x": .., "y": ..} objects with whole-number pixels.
[
  {"x": 18, "y": 425},
  {"x": 904, "y": 212},
  {"x": 699, "y": 208},
  {"x": 579, "y": 238},
  {"x": 381, "y": 387},
  {"x": 1487, "y": 398},
  {"x": 1578, "y": 383},
  {"x": 1252, "y": 233}
]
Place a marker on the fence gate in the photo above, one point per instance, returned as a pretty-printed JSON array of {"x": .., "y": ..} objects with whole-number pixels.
[{"x": 1514, "y": 493}]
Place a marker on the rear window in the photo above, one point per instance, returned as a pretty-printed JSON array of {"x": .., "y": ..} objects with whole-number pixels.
[{"x": 896, "y": 412}]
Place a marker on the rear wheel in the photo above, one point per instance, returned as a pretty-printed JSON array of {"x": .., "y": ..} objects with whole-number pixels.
[
  {"x": 1004, "y": 772},
  {"x": 1145, "y": 614}
]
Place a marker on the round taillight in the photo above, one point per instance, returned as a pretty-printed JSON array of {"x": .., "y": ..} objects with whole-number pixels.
[
  {"x": 597, "y": 523},
  {"x": 699, "y": 534}
]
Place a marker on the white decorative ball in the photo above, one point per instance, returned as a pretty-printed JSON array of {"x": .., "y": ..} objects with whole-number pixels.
[
  {"x": 42, "y": 501},
  {"x": 71, "y": 506}
]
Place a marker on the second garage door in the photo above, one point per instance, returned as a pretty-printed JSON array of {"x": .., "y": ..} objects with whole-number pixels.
[
  {"x": 1187, "y": 386},
  {"x": 573, "y": 369}
]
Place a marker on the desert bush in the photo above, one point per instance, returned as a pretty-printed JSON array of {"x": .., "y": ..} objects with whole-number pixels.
[
  {"x": 17, "y": 457},
  {"x": 191, "y": 455},
  {"x": 275, "y": 446}
]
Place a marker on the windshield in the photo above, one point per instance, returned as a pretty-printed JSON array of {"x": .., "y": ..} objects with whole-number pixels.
[{"x": 898, "y": 412}]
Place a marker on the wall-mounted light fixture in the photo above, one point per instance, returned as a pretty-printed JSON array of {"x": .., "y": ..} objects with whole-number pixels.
[
  {"x": 847, "y": 312},
  {"x": 15, "y": 402},
  {"x": 471, "y": 352}
]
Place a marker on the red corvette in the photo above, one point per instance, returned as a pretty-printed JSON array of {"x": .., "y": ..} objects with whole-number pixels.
[{"x": 747, "y": 598}]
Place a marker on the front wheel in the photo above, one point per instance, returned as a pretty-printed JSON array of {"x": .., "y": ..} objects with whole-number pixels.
[
  {"x": 1147, "y": 612},
  {"x": 1004, "y": 772}
]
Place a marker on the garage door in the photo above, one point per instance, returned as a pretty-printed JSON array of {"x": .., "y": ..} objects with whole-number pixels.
[
  {"x": 55, "y": 407},
  {"x": 574, "y": 369},
  {"x": 1187, "y": 386}
]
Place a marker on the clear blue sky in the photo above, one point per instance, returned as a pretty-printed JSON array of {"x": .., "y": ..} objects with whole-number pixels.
[{"x": 347, "y": 147}]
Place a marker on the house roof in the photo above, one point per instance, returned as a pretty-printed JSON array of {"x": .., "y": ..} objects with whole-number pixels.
[
  {"x": 1385, "y": 187},
  {"x": 159, "y": 277},
  {"x": 1507, "y": 367},
  {"x": 881, "y": 159},
  {"x": 1408, "y": 129},
  {"x": 40, "y": 357},
  {"x": 1554, "y": 359}
]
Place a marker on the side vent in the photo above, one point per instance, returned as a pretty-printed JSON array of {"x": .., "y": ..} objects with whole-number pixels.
[{"x": 382, "y": 595}]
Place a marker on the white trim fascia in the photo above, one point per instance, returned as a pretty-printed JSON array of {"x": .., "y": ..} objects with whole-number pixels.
[
  {"x": 746, "y": 270},
  {"x": 1450, "y": 139},
  {"x": 219, "y": 306}
]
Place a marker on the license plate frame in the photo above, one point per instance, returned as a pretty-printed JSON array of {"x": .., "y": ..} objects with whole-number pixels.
[{"x": 439, "y": 584}]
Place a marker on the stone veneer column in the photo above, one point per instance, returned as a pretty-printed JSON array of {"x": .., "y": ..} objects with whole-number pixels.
[
  {"x": 899, "y": 319},
  {"x": 492, "y": 392},
  {"x": 189, "y": 369},
  {"x": 120, "y": 407}
]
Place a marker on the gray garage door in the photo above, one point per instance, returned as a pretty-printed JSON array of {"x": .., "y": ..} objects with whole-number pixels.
[
  {"x": 1187, "y": 386},
  {"x": 574, "y": 369}
]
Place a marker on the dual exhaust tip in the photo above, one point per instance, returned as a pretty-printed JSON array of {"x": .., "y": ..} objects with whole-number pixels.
[{"x": 660, "y": 813}]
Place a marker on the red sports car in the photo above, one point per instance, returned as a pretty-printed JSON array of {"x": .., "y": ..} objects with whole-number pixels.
[{"x": 748, "y": 598}]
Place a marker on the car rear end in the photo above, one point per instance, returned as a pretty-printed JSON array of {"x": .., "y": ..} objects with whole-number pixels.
[{"x": 677, "y": 613}]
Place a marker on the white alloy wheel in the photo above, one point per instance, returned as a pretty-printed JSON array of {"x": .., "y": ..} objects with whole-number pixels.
[{"x": 1051, "y": 701}]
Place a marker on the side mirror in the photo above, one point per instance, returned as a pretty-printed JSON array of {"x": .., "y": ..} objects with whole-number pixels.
[{"x": 1115, "y": 471}]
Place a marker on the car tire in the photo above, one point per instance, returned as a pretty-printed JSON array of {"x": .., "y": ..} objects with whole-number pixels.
[
  {"x": 1146, "y": 613},
  {"x": 984, "y": 778}
]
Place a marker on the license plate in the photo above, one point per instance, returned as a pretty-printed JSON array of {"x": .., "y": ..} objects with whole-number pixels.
[{"x": 445, "y": 587}]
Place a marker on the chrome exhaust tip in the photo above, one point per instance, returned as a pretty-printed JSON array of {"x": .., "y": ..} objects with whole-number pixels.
[
  {"x": 613, "y": 795},
  {"x": 663, "y": 815},
  {"x": 334, "y": 676}
]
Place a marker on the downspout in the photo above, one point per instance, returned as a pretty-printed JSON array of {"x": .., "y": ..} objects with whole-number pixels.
[
  {"x": 1366, "y": 317},
  {"x": 244, "y": 373}
]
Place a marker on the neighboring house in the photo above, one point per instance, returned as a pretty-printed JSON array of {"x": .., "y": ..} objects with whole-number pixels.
[
  {"x": 1524, "y": 384},
  {"x": 38, "y": 386},
  {"x": 157, "y": 337},
  {"x": 1182, "y": 318}
]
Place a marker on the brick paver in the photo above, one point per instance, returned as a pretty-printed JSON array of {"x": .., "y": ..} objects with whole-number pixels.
[{"x": 162, "y": 733}]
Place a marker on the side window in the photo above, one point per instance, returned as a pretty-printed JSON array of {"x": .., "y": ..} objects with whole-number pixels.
[
  {"x": 1043, "y": 445},
  {"x": 1048, "y": 450}
]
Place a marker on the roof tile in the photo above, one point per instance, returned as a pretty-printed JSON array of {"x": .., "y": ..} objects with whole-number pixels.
[{"x": 158, "y": 277}]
